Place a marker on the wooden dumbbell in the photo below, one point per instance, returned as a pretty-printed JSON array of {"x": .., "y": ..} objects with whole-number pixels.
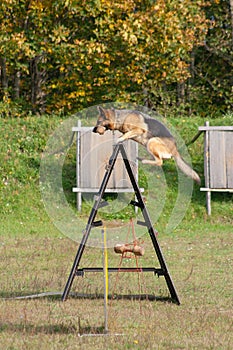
[{"x": 124, "y": 248}]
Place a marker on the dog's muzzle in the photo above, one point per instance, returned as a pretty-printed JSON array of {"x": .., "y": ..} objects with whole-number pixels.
[{"x": 99, "y": 129}]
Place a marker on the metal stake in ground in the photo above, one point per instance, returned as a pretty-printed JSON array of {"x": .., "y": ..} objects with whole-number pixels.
[{"x": 105, "y": 276}]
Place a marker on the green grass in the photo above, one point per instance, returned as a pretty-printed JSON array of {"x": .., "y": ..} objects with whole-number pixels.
[
  {"x": 201, "y": 268},
  {"x": 36, "y": 257}
]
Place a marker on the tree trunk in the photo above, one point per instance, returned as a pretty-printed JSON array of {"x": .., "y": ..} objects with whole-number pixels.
[
  {"x": 231, "y": 10},
  {"x": 34, "y": 80},
  {"x": 38, "y": 78},
  {"x": 180, "y": 94},
  {"x": 190, "y": 82},
  {"x": 4, "y": 80},
  {"x": 17, "y": 84}
]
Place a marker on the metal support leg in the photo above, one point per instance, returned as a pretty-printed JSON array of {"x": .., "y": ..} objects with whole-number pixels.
[{"x": 140, "y": 204}]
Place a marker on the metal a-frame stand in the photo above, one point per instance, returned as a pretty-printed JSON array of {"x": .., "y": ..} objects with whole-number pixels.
[{"x": 98, "y": 203}]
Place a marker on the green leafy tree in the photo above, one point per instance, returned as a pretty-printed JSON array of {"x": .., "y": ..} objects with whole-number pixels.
[
  {"x": 65, "y": 55},
  {"x": 213, "y": 62}
]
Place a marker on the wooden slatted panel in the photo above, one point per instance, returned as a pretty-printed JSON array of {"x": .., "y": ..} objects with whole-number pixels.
[
  {"x": 229, "y": 158},
  {"x": 217, "y": 154},
  {"x": 95, "y": 151},
  {"x": 218, "y": 160}
]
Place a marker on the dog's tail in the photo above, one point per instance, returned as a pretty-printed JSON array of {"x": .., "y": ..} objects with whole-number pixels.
[{"x": 187, "y": 170}]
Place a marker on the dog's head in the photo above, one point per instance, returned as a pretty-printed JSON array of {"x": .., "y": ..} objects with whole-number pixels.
[{"x": 105, "y": 121}]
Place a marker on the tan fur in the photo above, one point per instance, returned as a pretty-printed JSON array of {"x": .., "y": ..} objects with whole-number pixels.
[{"x": 134, "y": 125}]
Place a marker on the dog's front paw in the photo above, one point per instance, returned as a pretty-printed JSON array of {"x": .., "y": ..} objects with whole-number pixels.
[{"x": 120, "y": 140}]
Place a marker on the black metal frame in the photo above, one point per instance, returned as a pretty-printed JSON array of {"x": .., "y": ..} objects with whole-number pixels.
[{"x": 98, "y": 203}]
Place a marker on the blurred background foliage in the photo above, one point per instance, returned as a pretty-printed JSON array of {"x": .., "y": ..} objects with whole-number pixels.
[{"x": 64, "y": 55}]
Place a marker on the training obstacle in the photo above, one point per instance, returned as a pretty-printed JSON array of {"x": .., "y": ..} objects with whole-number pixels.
[
  {"x": 139, "y": 203},
  {"x": 218, "y": 160}
]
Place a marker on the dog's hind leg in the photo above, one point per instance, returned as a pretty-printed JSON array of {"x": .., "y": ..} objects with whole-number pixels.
[{"x": 157, "y": 148}]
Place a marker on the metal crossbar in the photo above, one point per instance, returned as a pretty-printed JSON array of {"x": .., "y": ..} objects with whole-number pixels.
[{"x": 159, "y": 272}]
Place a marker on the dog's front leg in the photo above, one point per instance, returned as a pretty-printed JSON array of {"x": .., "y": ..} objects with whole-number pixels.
[{"x": 128, "y": 135}]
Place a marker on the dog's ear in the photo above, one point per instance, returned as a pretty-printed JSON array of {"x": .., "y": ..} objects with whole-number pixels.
[{"x": 101, "y": 111}]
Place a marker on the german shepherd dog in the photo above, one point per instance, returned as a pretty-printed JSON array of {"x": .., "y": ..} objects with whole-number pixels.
[{"x": 147, "y": 131}]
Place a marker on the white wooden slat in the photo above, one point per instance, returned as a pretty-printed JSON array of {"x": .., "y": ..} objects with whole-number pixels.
[
  {"x": 204, "y": 189},
  {"x": 229, "y": 158},
  {"x": 108, "y": 190},
  {"x": 207, "y": 157},
  {"x": 215, "y": 128}
]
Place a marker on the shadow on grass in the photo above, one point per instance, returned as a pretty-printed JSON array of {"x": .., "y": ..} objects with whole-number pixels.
[
  {"x": 57, "y": 296},
  {"x": 38, "y": 329},
  {"x": 32, "y": 329},
  {"x": 70, "y": 328},
  {"x": 30, "y": 295}
]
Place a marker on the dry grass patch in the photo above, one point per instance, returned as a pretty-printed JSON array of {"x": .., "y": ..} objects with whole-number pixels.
[{"x": 201, "y": 268}]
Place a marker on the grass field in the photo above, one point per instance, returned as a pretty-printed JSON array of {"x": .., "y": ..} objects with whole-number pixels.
[{"x": 36, "y": 258}]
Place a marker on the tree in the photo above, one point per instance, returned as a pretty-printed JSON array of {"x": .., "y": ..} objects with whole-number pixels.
[
  {"x": 231, "y": 12},
  {"x": 20, "y": 49},
  {"x": 65, "y": 55},
  {"x": 214, "y": 61}
]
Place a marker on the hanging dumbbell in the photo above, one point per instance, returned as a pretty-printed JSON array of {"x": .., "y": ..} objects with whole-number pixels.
[{"x": 124, "y": 248}]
